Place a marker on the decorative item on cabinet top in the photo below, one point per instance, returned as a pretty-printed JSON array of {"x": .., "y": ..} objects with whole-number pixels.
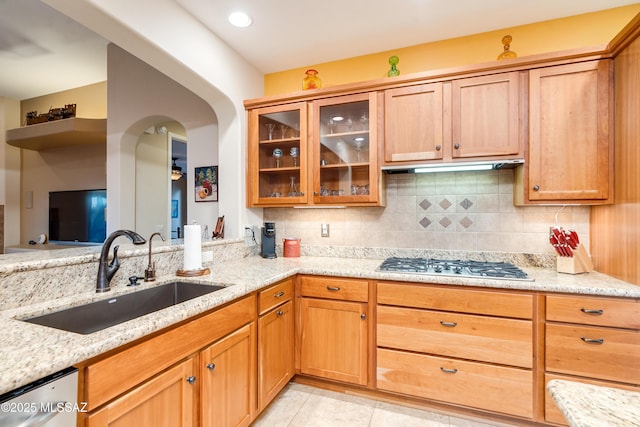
[
  {"x": 507, "y": 53},
  {"x": 311, "y": 80},
  {"x": 393, "y": 61}
]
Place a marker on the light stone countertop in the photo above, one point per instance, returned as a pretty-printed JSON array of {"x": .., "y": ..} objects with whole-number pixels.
[
  {"x": 587, "y": 405},
  {"x": 29, "y": 352}
]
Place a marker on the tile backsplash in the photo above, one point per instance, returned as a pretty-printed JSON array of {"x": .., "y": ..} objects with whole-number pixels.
[{"x": 467, "y": 211}]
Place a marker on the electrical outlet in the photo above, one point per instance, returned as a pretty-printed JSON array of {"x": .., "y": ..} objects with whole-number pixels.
[
  {"x": 249, "y": 235},
  {"x": 324, "y": 230}
]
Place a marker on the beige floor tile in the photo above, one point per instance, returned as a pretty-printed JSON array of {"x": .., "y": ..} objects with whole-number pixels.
[
  {"x": 388, "y": 415},
  {"x": 299, "y": 405},
  {"x": 321, "y": 411}
]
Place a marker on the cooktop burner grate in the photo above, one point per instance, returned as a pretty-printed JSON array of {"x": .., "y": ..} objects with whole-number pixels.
[{"x": 498, "y": 270}]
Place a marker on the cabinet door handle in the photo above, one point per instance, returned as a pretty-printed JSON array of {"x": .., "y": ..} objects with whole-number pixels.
[
  {"x": 333, "y": 288},
  {"x": 279, "y": 294},
  {"x": 302, "y": 193},
  {"x": 279, "y": 312},
  {"x": 456, "y": 146},
  {"x": 594, "y": 312},
  {"x": 536, "y": 187},
  {"x": 315, "y": 193},
  {"x": 363, "y": 316},
  {"x": 191, "y": 379},
  {"x": 448, "y": 324},
  {"x": 211, "y": 366},
  {"x": 438, "y": 147},
  {"x": 448, "y": 371},
  {"x": 592, "y": 340}
]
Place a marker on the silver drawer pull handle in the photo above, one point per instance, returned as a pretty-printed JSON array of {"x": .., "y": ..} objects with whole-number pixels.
[
  {"x": 279, "y": 294},
  {"x": 279, "y": 312},
  {"x": 333, "y": 288},
  {"x": 592, "y": 340},
  {"x": 191, "y": 379},
  {"x": 448, "y": 324},
  {"x": 448, "y": 371},
  {"x": 594, "y": 312}
]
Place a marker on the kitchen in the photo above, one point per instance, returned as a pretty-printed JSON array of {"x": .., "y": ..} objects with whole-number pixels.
[{"x": 337, "y": 214}]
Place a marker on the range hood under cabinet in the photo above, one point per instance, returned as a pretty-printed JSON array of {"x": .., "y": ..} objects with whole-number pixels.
[{"x": 454, "y": 166}]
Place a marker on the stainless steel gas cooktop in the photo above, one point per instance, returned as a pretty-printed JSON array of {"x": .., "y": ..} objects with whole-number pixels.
[{"x": 494, "y": 270}]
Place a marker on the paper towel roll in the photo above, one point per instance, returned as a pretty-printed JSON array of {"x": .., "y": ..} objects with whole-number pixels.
[{"x": 192, "y": 247}]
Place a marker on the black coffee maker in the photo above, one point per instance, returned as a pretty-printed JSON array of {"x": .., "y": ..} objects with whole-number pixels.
[{"x": 268, "y": 242}]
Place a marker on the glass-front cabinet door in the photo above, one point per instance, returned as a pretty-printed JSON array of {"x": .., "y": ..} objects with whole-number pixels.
[
  {"x": 345, "y": 150},
  {"x": 277, "y": 155}
]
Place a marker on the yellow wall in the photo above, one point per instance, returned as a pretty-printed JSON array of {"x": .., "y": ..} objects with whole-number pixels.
[
  {"x": 585, "y": 30},
  {"x": 90, "y": 100}
]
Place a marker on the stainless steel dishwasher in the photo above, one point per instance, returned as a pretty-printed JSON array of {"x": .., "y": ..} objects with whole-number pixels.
[{"x": 47, "y": 402}]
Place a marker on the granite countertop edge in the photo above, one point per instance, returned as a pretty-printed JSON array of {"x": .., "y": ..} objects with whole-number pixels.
[
  {"x": 29, "y": 352},
  {"x": 587, "y": 405}
]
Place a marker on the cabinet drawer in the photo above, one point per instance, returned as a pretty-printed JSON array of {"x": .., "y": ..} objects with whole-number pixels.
[
  {"x": 602, "y": 353},
  {"x": 489, "y": 387},
  {"x": 341, "y": 289},
  {"x": 461, "y": 300},
  {"x": 465, "y": 336},
  {"x": 552, "y": 413},
  {"x": 594, "y": 311},
  {"x": 275, "y": 295},
  {"x": 119, "y": 372}
]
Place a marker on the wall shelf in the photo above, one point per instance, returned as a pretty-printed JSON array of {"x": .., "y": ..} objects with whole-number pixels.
[{"x": 59, "y": 133}]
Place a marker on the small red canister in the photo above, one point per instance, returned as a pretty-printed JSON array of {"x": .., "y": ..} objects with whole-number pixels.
[{"x": 291, "y": 247}]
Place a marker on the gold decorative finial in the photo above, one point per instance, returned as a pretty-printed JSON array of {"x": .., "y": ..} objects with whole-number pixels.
[{"x": 506, "y": 40}]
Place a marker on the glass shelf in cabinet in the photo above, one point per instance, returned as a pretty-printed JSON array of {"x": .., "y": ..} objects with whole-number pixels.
[{"x": 279, "y": 140}]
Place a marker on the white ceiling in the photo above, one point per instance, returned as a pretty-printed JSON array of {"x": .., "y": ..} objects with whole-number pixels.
[{"x": 42, "y": 51}]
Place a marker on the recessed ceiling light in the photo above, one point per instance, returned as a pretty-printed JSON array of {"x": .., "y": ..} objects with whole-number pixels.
[{"x": 239, "y": 19}]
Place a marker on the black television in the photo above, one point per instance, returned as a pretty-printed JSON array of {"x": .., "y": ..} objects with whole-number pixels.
[{"x": 77, "y": 216}]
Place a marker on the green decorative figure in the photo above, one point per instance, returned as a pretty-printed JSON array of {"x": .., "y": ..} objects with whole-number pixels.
[{"x": 393, "y": 61}]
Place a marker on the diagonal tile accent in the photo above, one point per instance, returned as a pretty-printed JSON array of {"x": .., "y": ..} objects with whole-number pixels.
[
  {"x": 425, "y": 204},
  {"x": 466, "y": 203},
  {"x": 425, "y": 222},
  {"x": 445, "y": 222},
  {"x": 445, "y": 204},
  {"x": 466, "y": 222}
]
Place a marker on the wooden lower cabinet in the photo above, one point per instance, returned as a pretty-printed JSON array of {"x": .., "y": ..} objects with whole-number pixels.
[
  {"x": 166, "y": 381},
  {"x": 464, "y": 336},
  {"x": 275, "y": 352},
  {"x": 592, "y": 340},
  {"x": 477, "y": 385},
  {"x": 228, "y": 380},
  {"x": 334, "y": 340},
  {"x": 461, "y": 346},
  {"x": 167, "y": 400}
]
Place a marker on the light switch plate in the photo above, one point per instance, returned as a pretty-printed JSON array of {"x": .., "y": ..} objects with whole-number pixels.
[{"x": 324, "y": 230}]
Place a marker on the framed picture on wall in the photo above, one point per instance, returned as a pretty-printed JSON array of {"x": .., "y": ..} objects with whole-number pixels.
[{"x": 206, "y": 184}]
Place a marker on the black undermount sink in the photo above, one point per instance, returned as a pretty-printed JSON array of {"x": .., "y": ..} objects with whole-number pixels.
[{"x": 95, "y": 316}]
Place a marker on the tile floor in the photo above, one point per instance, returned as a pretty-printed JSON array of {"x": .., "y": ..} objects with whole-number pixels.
[{"x": 300, "y": 405}]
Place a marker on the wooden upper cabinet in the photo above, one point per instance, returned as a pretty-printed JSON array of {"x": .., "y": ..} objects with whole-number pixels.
[
  {"x": 344, "y": 139},
  {"x": 476, "y": 117},
  {"x": 277, "y": 155},
  {"x": 486, "y": 116},
  {"x": 570, "y": 134},
  {"x": 414, "y": 122}
]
